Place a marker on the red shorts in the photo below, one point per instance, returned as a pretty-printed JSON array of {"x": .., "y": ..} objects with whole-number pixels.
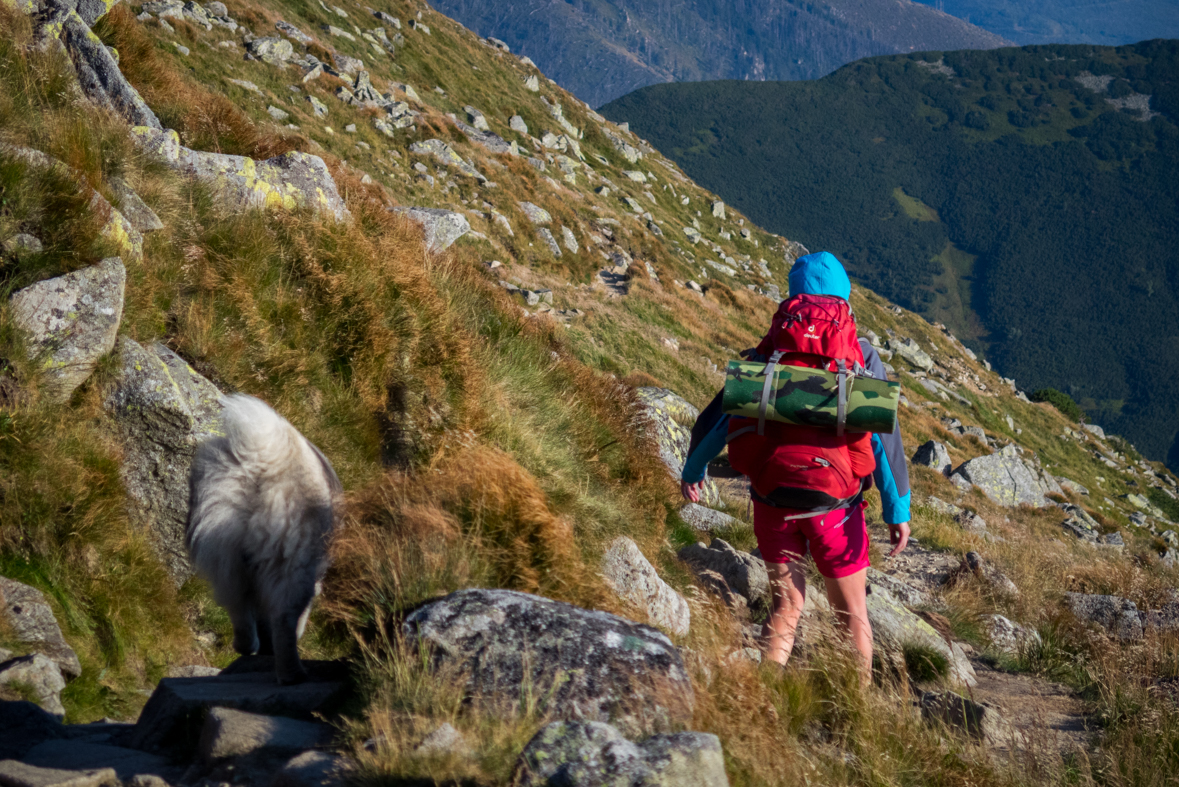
[{"x": 839, "y": 547}]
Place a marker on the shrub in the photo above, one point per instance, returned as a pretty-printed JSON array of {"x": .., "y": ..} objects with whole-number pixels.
[{"x": 1061, "y": 401}]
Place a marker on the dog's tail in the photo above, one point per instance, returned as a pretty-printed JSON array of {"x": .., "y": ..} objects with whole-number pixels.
[{"x": 256, "y": 432}]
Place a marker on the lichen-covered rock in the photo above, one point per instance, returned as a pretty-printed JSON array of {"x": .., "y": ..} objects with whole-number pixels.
[
  {"x": 546, "y": 237},
  {"x": 134, "y": 209},
  {"x": 592, "y": 754},
  {"x": 668, "y": 418},
  {"x": 934, "y": 455},
  {"x": 163, "y": 409},
  {"x": 535, "y": 213},
  {"x": 289, "y": 182},
  {"x": 627, "y": 151},
  {"x": 579, "y": 664},
  {"x": 704, "y": 519},
  {"x": 634, "y": 579},
  {"x": 29, "y": 617},
  {"x": 1005, "y": 478},
  {"x": 445, "y": 155},
  {"x": 894, "y": 627},
  {"x": 98, "y": 72},
  {"x": 442, "y": 227},
  {"x": 912, "y": 353},
  {"x": 271, "y": 49},
  {"x": 72, "y": 320},
  {"x": 39, "y": 674},
  {"x": 1008, "y": 637},
  {"x": 743, "y": 572},
  {"x": 1118, "y": 616}
]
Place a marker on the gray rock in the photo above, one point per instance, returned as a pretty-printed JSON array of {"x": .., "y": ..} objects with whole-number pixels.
[
  {"x": 73, "y": 320},
  {"x": 980, "y": 720},
  {"x": 313, "y": 769},
  {"x": 893, "y": 627},
  {"x": 546, "y": 237},
  {"x": 942, "y": 507},
  {"x": 217, "y": 8},
  {"x": 569, "y": 239},
  {"x": 1166, "y": 618},
  {"x": 98, "y": 72},
  {"x": 976, "y": 431},
  {"x": 30, "y": 619},
  {"x": 973, "y": 565},
  {"x": 704, "y": 519},
  {"x": 172, "y": 719},
  {"x": 163, "y": 410},
  {"x": 1005, "y": 478},
  {"x": 912, "y": 353},
  {"x": 229, "y": 733},
  {"x": 291, "y": 181},
  {"x": 935, "y": 455},
  {"x": 489, "y": 141},
  {"x": 271, "y": 49},
  {"x": 582, "y": 664},
  {"x": 40, "y": 675},
  {"x": 668, "y": 417},
  {"x": 476, "y": 118},
  {"x": 692, "y": 234},
  {"x": 597, "y": 755},
  {"x": 900, "y": 590},
  {"x": 445, "y": 155},
  {"x": 1072, "y": 486},
  {"x": 317, "y": 106},
  {"x": 80, "y": 755},
  {"x": 718, "y": 209},
  {"x": 635, "y": 580},
  {"x": 24, "y": 725},
  {"x": 535, "y": 213},
  {"x": 1118, "y": 616},
  {"x": 517, "y": 124},
  {"x": 743, "y": 572},
  {"x": 443, "y": 740},
  {"x": 276, "y": 113},
  {"x": 348, "y": 65},
  {"x": 22, "y": 242},
  {"x": 134, "y": 209},
  {"x": 18, "y": 774},
  {"x": 1008, "y": 637},
  {"x": 1094, "y": 430},
  {"x": 442, "y": 227},
  {"x": 192, "y": 671},
  {"x": 627, "y": 151},
  {"x": 289, "y": 30}
]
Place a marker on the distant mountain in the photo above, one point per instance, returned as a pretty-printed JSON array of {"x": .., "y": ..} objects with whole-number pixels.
[
  {"x": 602, "y": 49},
  {"x": 1112, "y": 22},
  {"x": 1025, "y": 197}
]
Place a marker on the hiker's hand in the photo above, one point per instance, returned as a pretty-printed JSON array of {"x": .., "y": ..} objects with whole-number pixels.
[
  {"x": 691, "y": 492},
  {"x": 899, "y": 535}
]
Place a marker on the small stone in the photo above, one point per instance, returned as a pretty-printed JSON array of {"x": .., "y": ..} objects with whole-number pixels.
[
  {"x": 314, "y": 769},
  {"x": 443, "y": 740},
  {"x": 442, "y": 227},
  {"x": 518, "y": 125},
  {"x": 547, "y": 238},
  {"x": 535, "y": 213},
  {"x": 23, "y": 243},
  {"x": 350, "y": 128},
  {"x": 635, "y": 580},
  {"x": 277, "y": 113},
  {"x": 934, "y": 455},
  {"x": 532, "y": 83},
  {"x": 705, "y": 519},
  {"x": 41, "y": 676},
  {"x": 694, "y": 287},
  {"x": 1118, "y": 616},
  {"x": 271, "y": 49},
  {"x": 181, "y": 49},
  {"x": 1007, "y": 637},
  {"x": 718, "y": 209}
]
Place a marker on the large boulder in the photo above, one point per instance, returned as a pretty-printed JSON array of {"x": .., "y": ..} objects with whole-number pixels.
[
  {"x": 668, "y": 418},
  {"x": 442, "y": 227},
  {"x": 635, "y": 580},
  {"x": 592, "y": 754},
  {"x": 934, "y": 455},
  {"x": 894, "y": 627},
  {"x": 741, "y": 571},
  {"x": 1005, "y": 478},
  {"x": 25, "y": 613},
  {"x": 232, "y": 734},
  {"x": 582, "y": 664},
  {"x": 163, "y": 410},
  {"x": 73, "y": 320},
  {"x": 291, "y": 181},
  {"x": 1118, "y": 616},
  {"x": 98, "y": 72}
]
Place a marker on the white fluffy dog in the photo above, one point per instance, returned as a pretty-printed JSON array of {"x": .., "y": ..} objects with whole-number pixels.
[{"x": 261, "y": 511}]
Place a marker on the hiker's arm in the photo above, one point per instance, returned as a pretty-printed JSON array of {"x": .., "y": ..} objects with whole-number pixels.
[
  {"x": 708, "y": 440},
  {"x": 892, "y": 473}
]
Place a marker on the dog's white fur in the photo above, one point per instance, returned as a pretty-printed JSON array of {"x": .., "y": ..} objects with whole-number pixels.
[{"x": 261, "y": 510}]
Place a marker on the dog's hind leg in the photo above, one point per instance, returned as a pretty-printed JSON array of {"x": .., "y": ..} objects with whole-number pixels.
[
  {"x": 286, "y": 626},
  {"x": 245, "y": 627}
]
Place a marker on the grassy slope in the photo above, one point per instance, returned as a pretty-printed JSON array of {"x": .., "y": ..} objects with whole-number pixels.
[{"x": 522, "y": 462}]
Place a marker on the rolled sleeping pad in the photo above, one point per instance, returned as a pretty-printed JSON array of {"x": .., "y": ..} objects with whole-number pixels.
[{"x": 810, "y": 397}]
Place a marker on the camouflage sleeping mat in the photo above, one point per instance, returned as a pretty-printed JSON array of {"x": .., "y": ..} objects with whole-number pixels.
[{"x": 810, "y": 397}]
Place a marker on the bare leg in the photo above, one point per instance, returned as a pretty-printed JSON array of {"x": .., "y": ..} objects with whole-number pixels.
[
  {"x": 788, "y": 587},
  {"x": 849, "y": 599}
]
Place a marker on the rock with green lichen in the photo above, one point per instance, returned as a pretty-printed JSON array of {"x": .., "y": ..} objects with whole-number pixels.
[
  {"x": 669, "y": 418},
  {"x": 592, "y": 754},
  {"x": 163, "y": 410},
  {"x": 72, "y": 321}
]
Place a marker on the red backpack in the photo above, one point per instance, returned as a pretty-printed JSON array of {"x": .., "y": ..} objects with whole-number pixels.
[{"x": 804, "y": 467}]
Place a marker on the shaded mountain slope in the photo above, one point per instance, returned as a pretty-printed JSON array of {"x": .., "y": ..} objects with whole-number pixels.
[{"x": 1108, "y": 23}]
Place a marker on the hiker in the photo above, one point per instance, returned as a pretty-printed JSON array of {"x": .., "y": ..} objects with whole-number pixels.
[{"x": 807, "y": 482}]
